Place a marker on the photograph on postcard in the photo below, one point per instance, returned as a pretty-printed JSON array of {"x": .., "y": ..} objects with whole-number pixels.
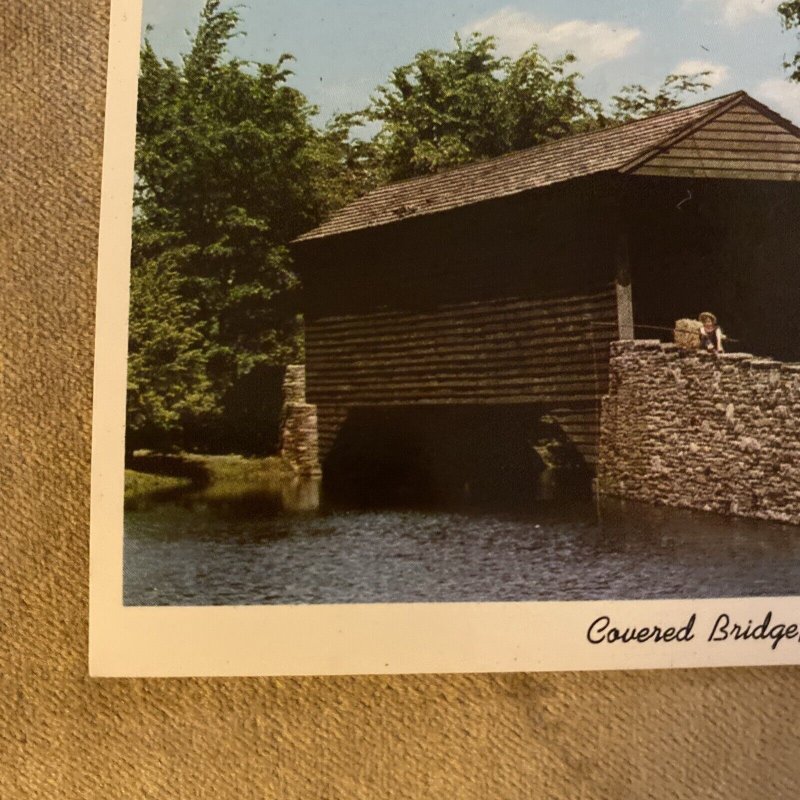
[
  {"x": 444, "y": 321},
  {"x": 466, "y": 304}
]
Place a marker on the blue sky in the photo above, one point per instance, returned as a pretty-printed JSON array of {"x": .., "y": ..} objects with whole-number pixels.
[{"x": 345, "y": 48}]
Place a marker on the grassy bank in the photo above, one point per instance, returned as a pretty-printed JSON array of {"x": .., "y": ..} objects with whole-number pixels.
[{"x": 155, "y": 477}]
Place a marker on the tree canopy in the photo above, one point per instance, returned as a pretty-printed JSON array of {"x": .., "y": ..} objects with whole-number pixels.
[
  {"x": 229, "y": 169},
  {"x": 451, "y": 107}
]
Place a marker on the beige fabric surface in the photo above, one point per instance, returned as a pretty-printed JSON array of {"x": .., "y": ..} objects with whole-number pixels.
[{"x": 701, "y": 734}]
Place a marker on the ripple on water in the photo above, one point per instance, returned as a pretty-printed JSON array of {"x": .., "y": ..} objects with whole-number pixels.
[{"x": 180, "y": 556}]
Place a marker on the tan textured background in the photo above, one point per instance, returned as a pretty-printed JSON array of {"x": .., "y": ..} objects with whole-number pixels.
[{"x": 721, "y": 734}]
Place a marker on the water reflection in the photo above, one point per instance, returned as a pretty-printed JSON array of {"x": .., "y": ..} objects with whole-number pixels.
[
  {"x": 301, "y": 494},
  {"x": 218, "y": 555}
]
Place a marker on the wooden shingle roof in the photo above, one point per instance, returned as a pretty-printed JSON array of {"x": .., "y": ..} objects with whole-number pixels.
[{"x": 611, "y": 149}]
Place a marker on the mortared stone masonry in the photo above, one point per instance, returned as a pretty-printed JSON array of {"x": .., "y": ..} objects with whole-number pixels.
[
  {"x": 689, "y": 429},
  {"x": 299, "y": 424}
]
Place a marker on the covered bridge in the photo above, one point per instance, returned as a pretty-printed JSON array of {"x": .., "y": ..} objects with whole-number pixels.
[{"x": 465, "y": 307}]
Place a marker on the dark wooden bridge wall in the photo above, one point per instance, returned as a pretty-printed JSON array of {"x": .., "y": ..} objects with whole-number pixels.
[
  {"x": 511, "y": 302},
  {"x": 552, "y": 351},
  {"x": 492, "y": 351},
  {"x": 731, "y": 247}
]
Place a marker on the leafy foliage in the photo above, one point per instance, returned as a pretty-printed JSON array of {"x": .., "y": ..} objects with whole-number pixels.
[
  {"x": 790, "y": 14},
  {"x": 167, "y": 362},
  {"x": 451, "y": 107},
  {"x": 229, "y": 169},
  {"x": 634, "y": 101}
]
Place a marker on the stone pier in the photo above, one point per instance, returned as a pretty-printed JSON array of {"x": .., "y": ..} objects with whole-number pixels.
[
  {"x": 299, "y": 443},
  {"x": 299, "y": 436}
]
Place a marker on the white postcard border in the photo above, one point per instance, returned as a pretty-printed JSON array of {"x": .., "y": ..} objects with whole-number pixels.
[{"x": 333, "y": 639}]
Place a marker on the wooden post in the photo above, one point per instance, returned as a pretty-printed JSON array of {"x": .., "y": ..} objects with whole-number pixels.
[{"x": 622, "y": 281}]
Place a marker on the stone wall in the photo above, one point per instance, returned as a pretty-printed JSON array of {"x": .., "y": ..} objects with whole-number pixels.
[
  {"x": 299, "y": 436},
  {"x": 689, "y": 429}
]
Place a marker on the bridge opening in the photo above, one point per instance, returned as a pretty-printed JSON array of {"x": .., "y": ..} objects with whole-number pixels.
[{"x": 453, "y": 456}]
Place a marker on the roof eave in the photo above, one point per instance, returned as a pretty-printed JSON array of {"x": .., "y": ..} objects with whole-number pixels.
[{"x": 313, "y": 236}]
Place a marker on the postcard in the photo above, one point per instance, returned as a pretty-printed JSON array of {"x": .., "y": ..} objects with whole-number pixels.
[{"x": 447, "y": 339}]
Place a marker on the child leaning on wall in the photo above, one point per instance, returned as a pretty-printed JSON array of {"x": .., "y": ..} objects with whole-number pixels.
[
  {"x": 702, "y": 333},
  {"x": 711, "y": 335}
]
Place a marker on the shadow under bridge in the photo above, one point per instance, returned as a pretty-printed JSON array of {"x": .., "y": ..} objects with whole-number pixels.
[{"x": 460, "y": 455}]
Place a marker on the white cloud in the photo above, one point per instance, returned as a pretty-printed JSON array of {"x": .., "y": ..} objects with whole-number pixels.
[
  {"x": 717, "y": 73},
  {"x": 593, "y": 42},
  {"x": 735, "y": 12},
  {"x": 782, "y": 95}
]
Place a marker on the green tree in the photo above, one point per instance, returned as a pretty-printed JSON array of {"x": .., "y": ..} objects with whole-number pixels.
[
  {"x": 790, "y": 14},
  {"x": 452, "y": 107},
  {"x": 344, "y": 165},
  {"x": 634, "y": 101},
  {"x": 168, "y": 383},
  {"x": 229, "y": 168}
]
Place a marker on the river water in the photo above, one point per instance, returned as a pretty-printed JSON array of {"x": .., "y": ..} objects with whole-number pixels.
[{"x": 177, "y": 555}]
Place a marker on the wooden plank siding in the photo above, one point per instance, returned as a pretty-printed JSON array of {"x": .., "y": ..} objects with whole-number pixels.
[
  {"x": 581, "y": 423},
  {"x": 742, "y": 143},
  {"x": 330, "y": 419},
  {"x": 552, "y": 352}
]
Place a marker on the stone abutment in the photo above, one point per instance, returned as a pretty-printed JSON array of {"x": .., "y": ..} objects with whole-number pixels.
[{"x": 693, "y": 430}]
